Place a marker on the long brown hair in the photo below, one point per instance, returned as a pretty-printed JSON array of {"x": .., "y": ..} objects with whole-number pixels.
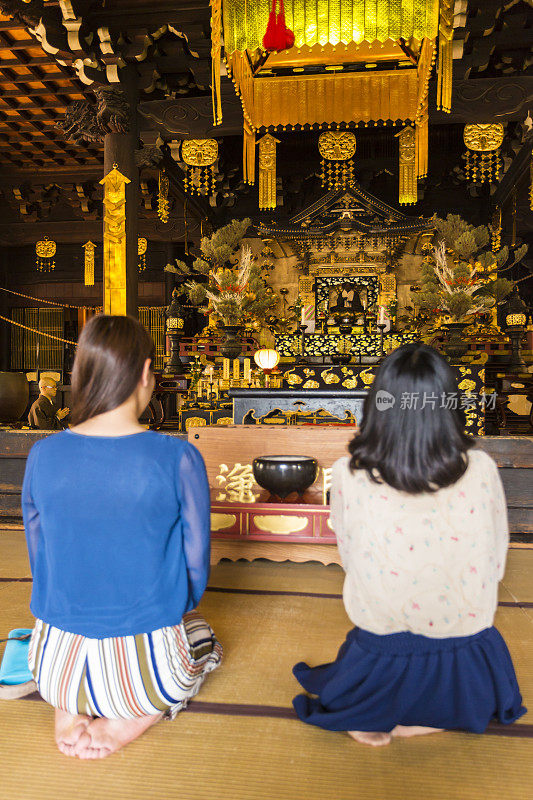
[{"x": 109, "y": 363}]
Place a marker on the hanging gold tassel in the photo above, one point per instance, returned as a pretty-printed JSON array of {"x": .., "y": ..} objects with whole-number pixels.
[
  {"x": 248, "y": 153},
  {"x": 142, "y": 247},
  {"x": 531, "y": 182},
  {"x": 45, "y": 251},
  {"x": 162, "y": 197},
  {"x": 407, "y": 146},
  {"x": 482, "y": 158},
  {"x": 496, "y": 229},
  {"x": 216, "y": 31},
  {"x": 267, "y": 171},
  {"x": 88, "y": 278},
  {"x": 445, "y": 68},
  {"x": 421, "y": 147}
]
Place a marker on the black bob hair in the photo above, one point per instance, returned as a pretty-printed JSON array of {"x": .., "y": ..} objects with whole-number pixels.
[{"x": 414, "y": 449}]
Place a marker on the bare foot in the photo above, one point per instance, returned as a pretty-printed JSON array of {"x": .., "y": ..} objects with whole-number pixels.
[
  {"x": 406, "y": 731},
  {"x": 68, "y": 729},
  {"x": 105, "y": 736},
  {"x": 373, "y": 738}
]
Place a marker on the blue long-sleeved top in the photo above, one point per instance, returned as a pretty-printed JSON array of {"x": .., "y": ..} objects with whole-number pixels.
[{"x": 118, "y": 531}]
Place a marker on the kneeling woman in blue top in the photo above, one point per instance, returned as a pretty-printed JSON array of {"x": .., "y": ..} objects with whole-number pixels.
[
  {"x": 421, "y": 525},
  {"x": 117, "y": 525}
]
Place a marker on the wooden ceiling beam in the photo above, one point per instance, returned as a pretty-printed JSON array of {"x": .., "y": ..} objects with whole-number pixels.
[
  {"x": 18, "y": 44},
  {"x": 62, "y": 90},
  {"x": 34, "y": 106}
]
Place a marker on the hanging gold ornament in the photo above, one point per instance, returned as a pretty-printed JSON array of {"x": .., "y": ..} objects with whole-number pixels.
[
  {"x": 267, "y": 171},
  {"x": 337, "y": 149},
  {"x": 482, "y": 159},
  {"x": 408, "y": 190},
  {"x": 89, "y": 248},
  {"x": 531, "y": 182},
  {"x": 162, "y": 197},
  {"x": 142, "y": 247},
  {"x": 45, "y": 251},
  {"x": 496, "y": 229},
  {"x": 200, "y": 156}
]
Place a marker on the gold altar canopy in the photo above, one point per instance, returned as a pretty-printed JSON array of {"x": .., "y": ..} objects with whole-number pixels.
[{"x": 358, "y": 62}]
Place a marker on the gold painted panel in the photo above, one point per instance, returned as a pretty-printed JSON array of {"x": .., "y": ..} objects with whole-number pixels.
[{"x": 280, "y": 524}]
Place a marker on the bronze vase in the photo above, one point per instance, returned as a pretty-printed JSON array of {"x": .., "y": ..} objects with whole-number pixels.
[
  {"x": 232, "y": 342},
  {"x": 456, "y": 345}
]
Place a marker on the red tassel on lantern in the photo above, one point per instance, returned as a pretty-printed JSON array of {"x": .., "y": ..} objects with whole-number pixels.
[
  {"x": 284, "y": 36},
  {"x": 277, "y": 37},
  {"x": 269, "y": 39}
]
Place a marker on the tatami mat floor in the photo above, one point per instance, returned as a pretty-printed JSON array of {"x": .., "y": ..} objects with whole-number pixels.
[{"x": 239, "y": 740}]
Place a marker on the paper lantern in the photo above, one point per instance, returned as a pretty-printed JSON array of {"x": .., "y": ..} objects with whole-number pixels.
[{"x": 267, "y": 360}]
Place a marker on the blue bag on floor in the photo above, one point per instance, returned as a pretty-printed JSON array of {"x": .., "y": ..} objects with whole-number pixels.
[{"x": 16, "y": 679}]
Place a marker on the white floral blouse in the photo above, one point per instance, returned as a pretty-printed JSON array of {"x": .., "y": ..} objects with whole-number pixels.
[{"x": 427, "y": 563}]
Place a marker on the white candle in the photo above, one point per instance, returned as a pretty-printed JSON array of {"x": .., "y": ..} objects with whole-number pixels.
[{"x": 381, "y": 318}]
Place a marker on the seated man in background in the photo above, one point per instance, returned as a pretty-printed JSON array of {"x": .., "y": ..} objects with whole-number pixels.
[{"x": 44, "y": 413}]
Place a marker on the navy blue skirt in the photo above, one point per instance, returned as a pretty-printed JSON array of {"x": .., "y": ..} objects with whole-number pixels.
[{"x": 378, "y": 682}]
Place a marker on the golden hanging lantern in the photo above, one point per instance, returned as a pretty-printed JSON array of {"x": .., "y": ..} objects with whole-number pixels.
[
  {"x": 200, "y": 156},
  {"x": 88, "y": 278},
  {"x": 45, "y": 251},
  {"x": 337, "y": 149},
  {"x": 482, "y": 158},
  {"x": 162, "y": 197},
  {"x": 142, "y": 247}
]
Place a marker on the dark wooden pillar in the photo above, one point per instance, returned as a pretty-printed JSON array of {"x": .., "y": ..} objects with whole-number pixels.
[
  {"x": 119, "y": 149},
  {"x": 5, "y": 327}
]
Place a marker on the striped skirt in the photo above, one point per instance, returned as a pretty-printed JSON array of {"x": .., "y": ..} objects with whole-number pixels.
[{"x": 126, "y": 676}]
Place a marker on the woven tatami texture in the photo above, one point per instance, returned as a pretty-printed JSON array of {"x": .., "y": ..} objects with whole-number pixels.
[
  {"x": 210, "y": 757},
  {"x": 226, "y": 755}
]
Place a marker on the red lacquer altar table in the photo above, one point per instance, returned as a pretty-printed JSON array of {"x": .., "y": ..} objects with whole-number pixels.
[{"x": 277, "y": 531}]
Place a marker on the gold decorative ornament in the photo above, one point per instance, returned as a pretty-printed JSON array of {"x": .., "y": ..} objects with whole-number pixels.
[
  {"x": 482, "y": 158},
  {"x": 142, "y": 247},
  {"x": 367, "y": 377},
  {"x": 220, "y": 522},
  {"x": 200, "y": 156},
  {"x": 267, "y": 171},
  {"x": 337, "y": 149},
  {"x": 280, "y": 524},
  {"x": 114, "y": 185},
  {"x": 45, "y": 251},
  {"x": 162, "y": 197},
  {"x": 88, "y": 278},
  {"x": 195, "y": 422},
  {"x": 496, "y": 229},
  {"x": 408, "y": 183},
  {"x": 236, "y": 483}
]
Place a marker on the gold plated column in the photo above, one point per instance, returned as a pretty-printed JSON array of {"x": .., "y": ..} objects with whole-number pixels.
[{"x": 114, "y": 185}]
